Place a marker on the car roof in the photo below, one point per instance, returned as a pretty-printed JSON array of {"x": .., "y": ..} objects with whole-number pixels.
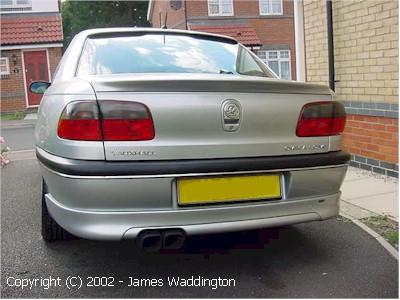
[{"x": 117, "y": 31}]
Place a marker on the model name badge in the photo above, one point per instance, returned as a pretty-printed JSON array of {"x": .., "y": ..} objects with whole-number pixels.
[
  {"x": 133, "y": 153},
  {"x": 304, "y": 147}
]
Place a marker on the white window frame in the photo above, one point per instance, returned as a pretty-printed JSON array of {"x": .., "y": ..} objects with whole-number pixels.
[
  {"x": 219, "y": 14},
  {"x": 4, "y": 61},
  {"x": 16, "y": 5},
  {"x": 278, "y": 59},
  {"x": 270, "y": 8}
]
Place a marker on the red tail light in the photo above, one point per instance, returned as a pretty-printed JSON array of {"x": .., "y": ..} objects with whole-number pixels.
[
  {"x": 116, "y": 121},
  {"x": 80, "y": 121},
  {"x": 321, "y": 119},
  {"x": 126, "y": 121}
]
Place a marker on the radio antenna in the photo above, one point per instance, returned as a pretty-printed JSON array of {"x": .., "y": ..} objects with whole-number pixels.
[{"x": 165, "y": 21}]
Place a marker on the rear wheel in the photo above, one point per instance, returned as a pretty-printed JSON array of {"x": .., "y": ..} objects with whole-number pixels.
[{"x": 51, "y": 231}]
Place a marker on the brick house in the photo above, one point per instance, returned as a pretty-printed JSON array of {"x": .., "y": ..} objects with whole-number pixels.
[
  {"x": 31, "y": 47},
  {"x": 365, "y": 72},
  {"x": 351, "y": 45},
  {"x": 264, "y": 26}
]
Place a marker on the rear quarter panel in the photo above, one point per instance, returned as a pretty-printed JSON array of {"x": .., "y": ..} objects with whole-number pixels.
[{"x": 53, "y": 102}]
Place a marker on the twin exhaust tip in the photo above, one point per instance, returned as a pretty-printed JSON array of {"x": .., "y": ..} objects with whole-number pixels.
[{"x": 155, "y": 240}]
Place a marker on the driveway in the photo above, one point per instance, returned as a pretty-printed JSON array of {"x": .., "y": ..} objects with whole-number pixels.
[{"x": 314, "y": 260}]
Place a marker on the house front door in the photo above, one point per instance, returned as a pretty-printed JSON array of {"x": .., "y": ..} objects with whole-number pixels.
[{"x": 36, "y": 68}]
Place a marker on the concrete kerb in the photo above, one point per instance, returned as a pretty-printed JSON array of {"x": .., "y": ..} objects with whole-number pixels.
[
  {"x": 381, "y": 240},
  {"x": 21, "y": 155}
]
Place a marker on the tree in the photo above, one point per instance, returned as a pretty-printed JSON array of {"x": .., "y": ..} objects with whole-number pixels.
[{"x": 81, "y": 15}]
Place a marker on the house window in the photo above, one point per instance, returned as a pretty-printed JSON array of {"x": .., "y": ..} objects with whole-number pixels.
[
  {"x": 270, "y": 7},
  {"x": 15, "y": 4},
  {"x": 278, "y": 61},
  {"x": 4, "y": 66},
  {"x": 220, "y": 7}
]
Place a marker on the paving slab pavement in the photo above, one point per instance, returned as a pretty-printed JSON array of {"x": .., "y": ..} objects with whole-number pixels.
[
  {"x": 32, "y": 116},
  {"x": 354, "y": 211},
  {"x": 366, "y": 194}
]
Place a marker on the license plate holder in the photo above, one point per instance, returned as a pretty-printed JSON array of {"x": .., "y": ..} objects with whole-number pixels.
[{"x": 226, "y": 189}]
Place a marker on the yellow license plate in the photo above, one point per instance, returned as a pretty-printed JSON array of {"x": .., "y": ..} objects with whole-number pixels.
[{"x": 228, "y": 189}]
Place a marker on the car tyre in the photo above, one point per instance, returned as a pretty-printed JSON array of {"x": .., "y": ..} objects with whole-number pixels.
[{"x": 51, "y": 231}]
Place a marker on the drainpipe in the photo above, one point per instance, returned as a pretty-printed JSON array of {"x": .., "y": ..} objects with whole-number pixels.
[
  {"x": 331, "y": 57},
  {"x": 299, "y": 40},
  {"x": 186, "y": 20}
]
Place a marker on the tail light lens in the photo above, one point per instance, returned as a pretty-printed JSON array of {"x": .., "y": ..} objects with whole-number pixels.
[
  {"x": 80, "y": 121},
  {"x": 126, "y": 121},
  {"x": 321, "y": 119},
  {"x": 108, "y": 121}
]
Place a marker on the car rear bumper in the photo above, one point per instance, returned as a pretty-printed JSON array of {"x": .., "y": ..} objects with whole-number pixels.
[
  {"x": 100, "y": 225},
  {"x": 187, "y": 166},
  {"x": 98, "y": 205}
]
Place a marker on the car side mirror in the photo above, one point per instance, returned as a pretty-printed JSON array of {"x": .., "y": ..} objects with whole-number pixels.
[{"x": 39, "y": 87}]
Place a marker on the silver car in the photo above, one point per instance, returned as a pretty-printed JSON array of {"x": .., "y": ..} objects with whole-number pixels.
[{"x": 155, "y": 134}]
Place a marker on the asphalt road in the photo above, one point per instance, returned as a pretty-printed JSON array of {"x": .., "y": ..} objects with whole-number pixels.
[
  {"x": 19, "y": 138},
  {"x": 315, "y": 260}
]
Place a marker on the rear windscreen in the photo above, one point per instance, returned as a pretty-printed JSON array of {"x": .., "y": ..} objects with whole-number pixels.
[{"x": 167, "y": 53}]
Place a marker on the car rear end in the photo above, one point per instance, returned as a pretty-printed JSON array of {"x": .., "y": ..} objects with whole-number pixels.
[{"x": 129, "y": 144}]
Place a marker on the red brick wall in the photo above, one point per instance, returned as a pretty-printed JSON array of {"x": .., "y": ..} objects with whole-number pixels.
[
  {"x": 12, "y": 96},
  {"x": 55, "y": 55},
  {"x": 241, "y": 8},
  {"x": 198, "y": 8},
  {"x": 373, "y": 137},
  {"x": 278, "y": 32},
  {"x": 12, "y": 86},
  {"x": 174, "y": 16}
]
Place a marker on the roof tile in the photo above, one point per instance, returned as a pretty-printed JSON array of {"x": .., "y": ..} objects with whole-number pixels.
[
  {"x": 244, "y": 34},
  {"x": 31, "y": 30}
]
